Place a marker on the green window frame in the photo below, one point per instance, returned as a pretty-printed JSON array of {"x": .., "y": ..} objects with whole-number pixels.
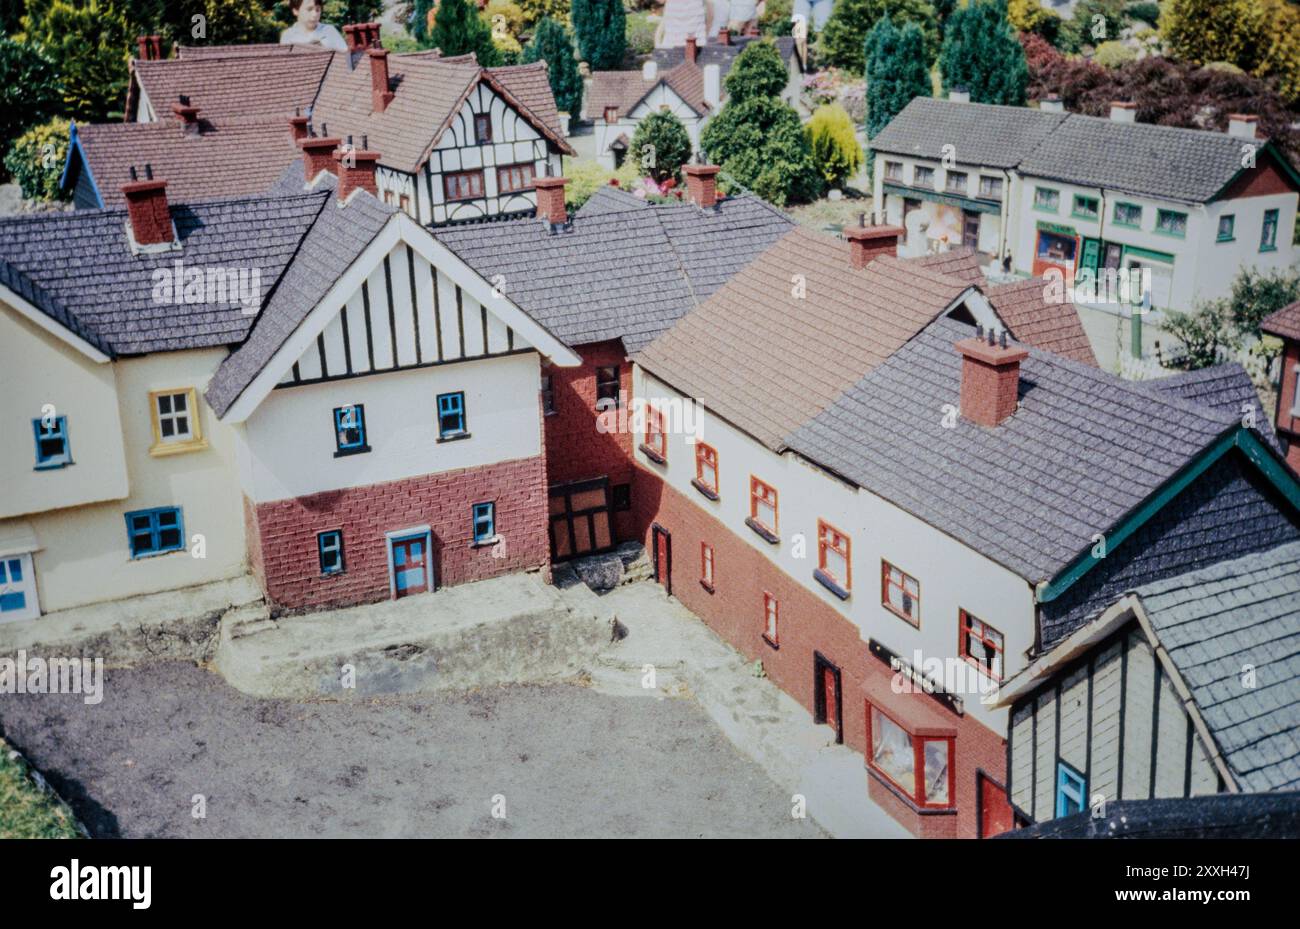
[
  {"x": 1268, "y": 232},
  {"x": 1086, "y": 207},
  {"x": 1121, "y": 211},
  {"x": 1227, "y": 228},
  {"x": 1047, "y": 200},
  {"x": 1171, "y": 223}
]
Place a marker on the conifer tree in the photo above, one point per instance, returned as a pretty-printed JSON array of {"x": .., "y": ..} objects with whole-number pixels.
[
  {"x": 601, "y": 28},
  {"x": 553, "y": 44},
  {"x": 458, "y": 30},
  {"x": 896, "y": 71},
  {"x": 982, "y": 54}
]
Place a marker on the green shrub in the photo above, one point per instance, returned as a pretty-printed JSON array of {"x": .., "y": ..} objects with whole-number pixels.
[
  {"x": 757, "y": 72},
  {"x": 1113, "y": 54},
  {"x": 835, "y": 148},
  {"x": 775, "y": 20},
  {"x": 537, "y": 10},
  {"x": 640, "y": 36},
  {"x": 601, "y": 30},
  {"x": 458, "y": 30},
  {"x": 511, "y": 17},
  {"x": 36, "y": 160},
  {"x": 29, "y": 89},
  {"x": 660, "y": 145}
]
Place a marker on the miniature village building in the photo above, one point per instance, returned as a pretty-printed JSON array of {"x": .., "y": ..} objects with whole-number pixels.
[
  {"x": 1042, "y": 190},
  {"x": 1285, "y": 325}
]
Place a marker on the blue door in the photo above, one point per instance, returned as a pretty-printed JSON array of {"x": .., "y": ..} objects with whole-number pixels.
[
  {"x": 410, "y": 565},
  {"x": 1071, "y": 790}
]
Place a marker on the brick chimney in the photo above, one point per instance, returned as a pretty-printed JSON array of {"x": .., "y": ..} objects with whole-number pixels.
[
  {"x": 550, "y": 200},
  {"x": 353, "y": 35},
  {"x": 691, "y": 49},
  {"x": 146, "y": 209},
  {"x": 1242, "y": 126},
  {"x": 1121, "y": 111},
  {"x": 298, "y": 127},
  {"x": 867, "y": 243},
  {"x": 188, "y": 115},
  {"x": 990, "y": 378},
  {"x": 318, "y": 156},
  {"x": 702, "y": 185},
  {"x": 356, "y": 169},
  {"x": 150, "y": 47},
  {"x": 380, "y": 95},
  {"x": 724, "y": 36}
]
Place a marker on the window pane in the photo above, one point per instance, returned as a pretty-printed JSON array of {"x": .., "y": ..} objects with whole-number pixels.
[
  {"x": 891, "y": 751},
  {"x": 936, "y": 771}
]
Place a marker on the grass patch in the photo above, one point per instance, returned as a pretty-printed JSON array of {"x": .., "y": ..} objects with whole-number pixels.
[
  {"x": 26, "y": 811},
  {"x": 831, "y": 215}
]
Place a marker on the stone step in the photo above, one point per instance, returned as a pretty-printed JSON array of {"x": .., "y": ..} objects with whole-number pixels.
[{"x": 247, "y": 620}]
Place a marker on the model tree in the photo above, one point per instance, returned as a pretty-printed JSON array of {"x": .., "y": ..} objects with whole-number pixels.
[
  {"x": 982, "y": 54},
  {"x": 553, "y": 44},
  {"x": 661, "y": 145},
  {"x": 835, "y": 147},
  {"x": 846, "y": 31},
  {"x": 757, "y": 137},
  {"x": 1262, "y": 37},
  {"x": 458, "y": 30},
  {"x": 88, "y": 45},
  {"x": 601, "y": 27},
  {"x": 29, "y": 89},
  {"x": 896, "y": 71}
]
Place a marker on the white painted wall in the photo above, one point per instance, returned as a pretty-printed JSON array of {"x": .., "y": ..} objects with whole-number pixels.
[
  {"x": 662, "y": 96},
  {"x": 951, "y": 575},
  {"x": 287, "y": 445},
  {"x": 890, "y": 206}
]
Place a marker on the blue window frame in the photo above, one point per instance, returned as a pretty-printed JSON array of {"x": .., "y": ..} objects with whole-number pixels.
[
  {"x": 52, "y": 447},
  {"x": 350, "y": 430},
  {"x": 330, "y": 545},
  {"x": 11, "y": 575},
  {"x": 153, "y": 532},
  {"x": 485, "y": 522},
  {"x": 1071, "y": 790},
  {"x": 451, "y": 415}
]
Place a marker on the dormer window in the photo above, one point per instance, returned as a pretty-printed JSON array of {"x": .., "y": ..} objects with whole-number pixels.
[{"x": 482, "y": 129}]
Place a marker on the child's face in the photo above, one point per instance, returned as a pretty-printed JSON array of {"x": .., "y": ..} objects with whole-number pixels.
[{"x": 309, "y": 14}]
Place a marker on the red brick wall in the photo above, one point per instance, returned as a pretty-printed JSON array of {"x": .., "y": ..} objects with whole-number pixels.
[
  {"x": 1266, "y": 179},
  {"x": 443, "y": 501},
  {"x": 1289, "y": 426},
  {"x": 735, "y": 612},
  {"x": 575, "y": 449}
]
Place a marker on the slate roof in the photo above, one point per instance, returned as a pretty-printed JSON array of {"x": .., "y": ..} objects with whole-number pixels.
[
  {"x": 962, "y": 263},
  {"x": 1218, "y": 816},
  {"x": 1285, "y": 323},
  {"x": 1054, "y": 326},
  {"x": 218, "y": 162},
  {"x": 625, "y": 273},
  {"x": 996, "y": 136},
  {"x": 724, "y": 56},
  {"x": 611, "y": 199},
  {"x": 427, "y": 94},
  {"x": 1029, "y": 493},
  {"x": 623, "y": 90},
  {"x": 1224, "y": 387},
  {"x": 331, "y": 245},
  {"x": 1216, "y": 620},
  {"x": 235, "y": 86},
  {"x": 78, "y": 268},
  {"x": 767, "y": 361},
  {"x": 1189, "y": 165}
]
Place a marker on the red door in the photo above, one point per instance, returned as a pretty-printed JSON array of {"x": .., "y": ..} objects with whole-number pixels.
[
  {"x": 832, "y": 697},
  {"x": 995, "y": 811},
  {"x": 663, "y": 558}
]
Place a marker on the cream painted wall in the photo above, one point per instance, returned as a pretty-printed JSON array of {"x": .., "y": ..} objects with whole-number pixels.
[
  {"x": 85, "y": 555},
  {"x": 287, "y": 446},
  {"x": 657, "y": 99},
  {"x": 951, "y": 575},
  {"x": 36, "y": 369}
]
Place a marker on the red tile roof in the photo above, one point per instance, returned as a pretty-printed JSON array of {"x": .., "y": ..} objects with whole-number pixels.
[
  {"x": 623, "y": 90},
  {"x": 1285, "y": 323},
  {"x": 1056, "y": 327},
  {"x": 229, "y": 160},
  {"x": 237, "y": 86}
]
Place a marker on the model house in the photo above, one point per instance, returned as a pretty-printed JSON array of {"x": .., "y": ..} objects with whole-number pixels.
[
  {"x": 1183, "y": 687},
  {"x": 1285, "y": 325},
  {"x": 685, "y": 81},
  {"x": 238, "y": 384},
  {"x": 1042, "y": 190},
  {"x": 459, "y": 142}
]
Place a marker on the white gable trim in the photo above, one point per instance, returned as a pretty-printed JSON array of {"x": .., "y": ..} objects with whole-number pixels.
[
  {"x": 498, "y": 303},
  {"x": 51, "y": 326}
]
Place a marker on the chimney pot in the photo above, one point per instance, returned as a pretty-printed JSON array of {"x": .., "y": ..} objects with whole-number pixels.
[
  {"x": 724, "y": 36},
  {"x": 298, "y": 127},
  {"x": 959, "y": 95},
  {"x": 1052, "y": 104},
  {"x": 1242, "y": 126},
  {"x": 867, "y": 243},
  {"x": 380, "y": 95},
  {"x": 990, "y": 379},
  {"x": 691, "y": 48},
  {"x": 702, "y": 185},
  {"x": 650, "y": 70},
  {"x": 1122, "y": 111},
  {"x": 188, "y": 115},
  {"x": 550, "y": 200},
  {"x": 317, "y": 156},
  {"x": 147, "y": 211}
]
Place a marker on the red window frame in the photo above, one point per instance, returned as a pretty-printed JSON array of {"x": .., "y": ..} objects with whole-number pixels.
[
  {"x": 656, "y": 439},
  {"x": 758, "y": 493},
  {"x": 886, "y": 582},
  {"x": 916, "y": 794},
  {"x": 450, "y": 182},
  {"x": 706, "y": 462},
  {"x": 964, "y": 633},
  {"x": 831, "y": 539},
  {"x": 404, "y": 203},
  {"x": 771, "y": 620},
  {"x": 505, "y": 181},
  {"x": 611, "y": 114},
  {"x": 706, "y": 566},
  {"x": 482, "y": 128}
]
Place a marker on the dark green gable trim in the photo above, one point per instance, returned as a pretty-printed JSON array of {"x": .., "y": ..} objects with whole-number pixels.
[
  {"x": 964, "y": 203},
  {"x": 1240, "y": 437}
]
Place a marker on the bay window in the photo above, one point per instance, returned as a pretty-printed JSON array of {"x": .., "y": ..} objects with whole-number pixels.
[{"x": 919, "y": 766}]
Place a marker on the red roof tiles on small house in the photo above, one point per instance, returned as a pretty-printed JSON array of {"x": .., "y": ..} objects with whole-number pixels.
[
  {"x": 230, "y": 86},
  {"x": 1285, "y": 323},
  {"x": 622, "y": 91}
]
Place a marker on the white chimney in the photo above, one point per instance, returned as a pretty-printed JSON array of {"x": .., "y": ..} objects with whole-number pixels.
[
  {"x": 1052, "y": 104},
  {"x": 713, "y": 86},
  {"x": 1241, "y": 126},
  {"x": 650, "y": 70},
  {"x": 1123, "y": 112},
  {"x": 959, "y": 95}
]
